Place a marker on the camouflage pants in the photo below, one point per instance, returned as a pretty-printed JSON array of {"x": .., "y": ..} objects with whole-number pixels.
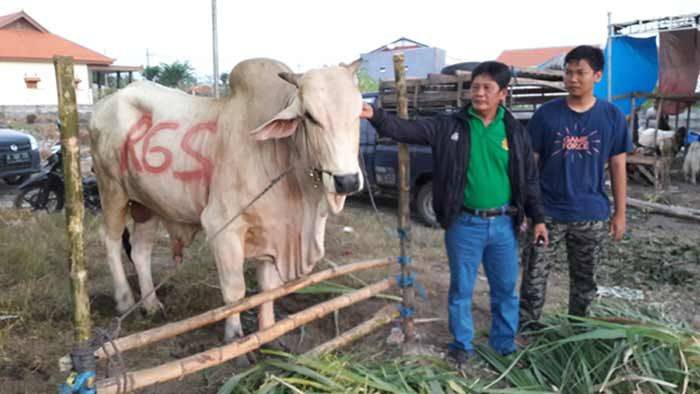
[{"x": 583, "y": 244}]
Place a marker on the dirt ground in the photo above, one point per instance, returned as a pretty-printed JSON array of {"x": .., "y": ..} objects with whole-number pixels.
[{"x": 660, "y": 256}]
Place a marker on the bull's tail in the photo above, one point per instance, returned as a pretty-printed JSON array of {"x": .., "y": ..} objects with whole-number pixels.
[{"x": 126, "y": 243}]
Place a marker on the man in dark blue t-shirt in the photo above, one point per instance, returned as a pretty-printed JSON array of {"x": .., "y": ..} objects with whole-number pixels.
[{"x": 573, "y": 138}]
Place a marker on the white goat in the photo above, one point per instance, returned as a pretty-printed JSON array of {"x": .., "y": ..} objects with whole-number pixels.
[{"x": 691, "y": 164}]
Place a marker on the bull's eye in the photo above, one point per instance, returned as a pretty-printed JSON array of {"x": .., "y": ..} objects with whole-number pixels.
[{"x": 312, "y": 119}]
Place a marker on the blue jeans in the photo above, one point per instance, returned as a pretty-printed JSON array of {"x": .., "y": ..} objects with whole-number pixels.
[{"x": 469, "y": 241}]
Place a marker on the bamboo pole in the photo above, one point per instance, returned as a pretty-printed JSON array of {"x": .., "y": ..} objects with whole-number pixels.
[
  {"x": 212, "y": 357},
  {"x": 407, "y": 292},
  {"x": 384, "y": 316},
  {"x": 170, "y": 330},
  {"x": 70, "y": 150}
]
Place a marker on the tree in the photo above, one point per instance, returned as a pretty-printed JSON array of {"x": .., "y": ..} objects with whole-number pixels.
[
  {"x": 224, "y": 84},
  {"x": 176, "y": 75},
  {"x": 367, "y": 83},
  {"x": 151, "y": 73}
]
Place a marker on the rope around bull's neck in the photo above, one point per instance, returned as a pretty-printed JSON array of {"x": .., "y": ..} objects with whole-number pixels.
[{"x": 256, "y": 198}]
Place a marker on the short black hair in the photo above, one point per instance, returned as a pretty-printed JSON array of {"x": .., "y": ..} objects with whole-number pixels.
[
  {"x": 593, "y": 55},
  {"x": 498, "y": 71}
]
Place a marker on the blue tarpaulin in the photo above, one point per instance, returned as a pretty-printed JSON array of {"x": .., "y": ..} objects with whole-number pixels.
[{"x": 635, "y": 68}]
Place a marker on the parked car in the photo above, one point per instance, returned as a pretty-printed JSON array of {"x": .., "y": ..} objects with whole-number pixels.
[
  {"x": 19, "y": 156},
  {"x": 380, "y": 158}
]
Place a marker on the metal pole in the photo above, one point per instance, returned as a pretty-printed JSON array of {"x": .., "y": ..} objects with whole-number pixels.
[
  {"x": 633, "y": 116},
  {"x": 610, "y": 54},
  {"x": 215, "y": 44},
  {"x": 407, "y": 290}
]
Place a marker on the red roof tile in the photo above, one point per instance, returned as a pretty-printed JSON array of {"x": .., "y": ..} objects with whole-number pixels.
[
  {"x": 530, "y": 57},
  {"x": 39, "y": 44}
]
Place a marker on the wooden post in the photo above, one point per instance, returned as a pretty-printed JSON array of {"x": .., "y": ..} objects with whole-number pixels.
[
  {"x": 407, "y": 292},
  {"x": 687, "y": 118},
  {"x": 658, "y": 182},
  {"x": 678, "y": 109},
  {"x": 633, "y": 116},
  {"x": 70, "y": 149},
  {"x": 99, "y": 84}
]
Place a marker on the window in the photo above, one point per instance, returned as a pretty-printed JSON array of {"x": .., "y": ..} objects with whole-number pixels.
[{"x": 31, "y": 81}]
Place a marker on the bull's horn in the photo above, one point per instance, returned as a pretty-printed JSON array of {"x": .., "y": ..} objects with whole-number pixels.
[
  {"x": 291, "y": 78},
  {"x": 354, "y": 66}
]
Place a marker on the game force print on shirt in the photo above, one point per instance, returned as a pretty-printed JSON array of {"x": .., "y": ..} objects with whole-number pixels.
[{"x": 577, "y": 142}]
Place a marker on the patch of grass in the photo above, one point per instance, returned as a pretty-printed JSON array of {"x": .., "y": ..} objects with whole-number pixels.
[
  {"x": 34, "y": 272},
  {"x": 335, "y": 374},
  {"x": 620, "y": 349}
]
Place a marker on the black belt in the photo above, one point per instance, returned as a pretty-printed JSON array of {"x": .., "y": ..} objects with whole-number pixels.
[{"x": 488, "y": 213}]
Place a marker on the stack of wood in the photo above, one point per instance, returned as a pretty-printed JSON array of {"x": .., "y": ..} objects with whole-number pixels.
[{"x": 439, "y": 92}]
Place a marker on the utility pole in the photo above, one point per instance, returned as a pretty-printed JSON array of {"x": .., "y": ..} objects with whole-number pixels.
[
  {"x": 148, "y": 59},
  {"x": 215, "y": 44}
]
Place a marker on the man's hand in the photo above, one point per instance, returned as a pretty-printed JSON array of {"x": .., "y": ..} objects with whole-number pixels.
[
  {"x": 618, "y": 178},
  {"x": 367, "y": 111},
  {"x": 617, "y": 226},
  {"x": 541, "y": 233}
]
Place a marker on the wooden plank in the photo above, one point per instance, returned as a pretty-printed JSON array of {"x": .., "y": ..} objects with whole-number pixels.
[
  {"x": 641, "y": 159},
  {"x": 170, "y": 330},
  {"x": 668, "y": 210},
  {"x": 648, "y": 176},
  {"x": 132, "y": 381}
]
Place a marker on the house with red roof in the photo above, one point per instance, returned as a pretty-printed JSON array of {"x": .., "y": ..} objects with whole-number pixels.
[
  {"x": 27, "y": 73},
  {"x": 532, "y": 57}
]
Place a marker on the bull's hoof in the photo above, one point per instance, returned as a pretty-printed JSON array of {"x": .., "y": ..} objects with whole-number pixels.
[
  {"x": 154, "y": 308},
  {"x": 278, "y": 345},
  {"x": 124, "y": 303},
  {"x": 245, "y": 361}
]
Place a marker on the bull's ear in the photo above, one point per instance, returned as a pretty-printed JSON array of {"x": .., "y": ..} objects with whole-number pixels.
[{"x": 282, "y": 125}]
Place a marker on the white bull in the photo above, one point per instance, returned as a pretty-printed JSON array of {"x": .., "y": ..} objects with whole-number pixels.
[{"x": 192, "y": 162}]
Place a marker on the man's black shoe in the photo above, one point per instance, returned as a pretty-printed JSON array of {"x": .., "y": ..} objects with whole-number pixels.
[
  {"x": 460, "y": 357},
  {"x": 531, "y": 326}
]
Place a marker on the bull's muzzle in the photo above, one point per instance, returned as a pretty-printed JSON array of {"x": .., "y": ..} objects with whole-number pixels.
[{"x": 346, "y": 184}]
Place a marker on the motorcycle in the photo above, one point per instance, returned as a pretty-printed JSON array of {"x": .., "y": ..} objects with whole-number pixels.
[{"x": 45, "y": 190}]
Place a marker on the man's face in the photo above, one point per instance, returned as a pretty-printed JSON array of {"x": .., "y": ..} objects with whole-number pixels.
[
  {"x": 486, "y": 94},
  {"x": 579, "y": 78}
]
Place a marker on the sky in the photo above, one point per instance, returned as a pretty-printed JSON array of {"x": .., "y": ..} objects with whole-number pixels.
[{"x": 312, "y": 33}]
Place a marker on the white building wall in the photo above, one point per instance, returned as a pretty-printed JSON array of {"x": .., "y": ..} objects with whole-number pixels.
[{"x": 14, "y": 91}]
